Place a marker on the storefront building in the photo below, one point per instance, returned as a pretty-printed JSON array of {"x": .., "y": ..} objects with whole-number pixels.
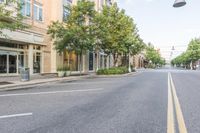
[
  {"x": 28, "y": 48},
  {"x": 34, "y": 49}
]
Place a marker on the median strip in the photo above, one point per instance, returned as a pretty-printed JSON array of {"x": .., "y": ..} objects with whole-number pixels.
[{"x": 179, "y": 115}]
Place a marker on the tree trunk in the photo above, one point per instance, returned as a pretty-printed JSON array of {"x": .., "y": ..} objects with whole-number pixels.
[
  {"x": 80, "y": 63},
  {"x": 125, "y": 59},
  {"x": 115, "y": 59}
]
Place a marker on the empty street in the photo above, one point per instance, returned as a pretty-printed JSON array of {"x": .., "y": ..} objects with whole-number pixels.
[{"x": 151, "y": 101}]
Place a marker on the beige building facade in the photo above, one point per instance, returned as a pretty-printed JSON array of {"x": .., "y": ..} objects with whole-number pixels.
[{"x": 34, "y": 49}]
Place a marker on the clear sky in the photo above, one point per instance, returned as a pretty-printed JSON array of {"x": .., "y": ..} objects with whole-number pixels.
[{"x": 164, "y": 26}]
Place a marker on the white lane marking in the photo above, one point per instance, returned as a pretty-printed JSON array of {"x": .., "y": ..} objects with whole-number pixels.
[
  {"x": 62, "y": 83},
  {"x": 50, "y": 92},
  {"x": 170, "y": 112},
  {"x": 15, "y": 115}
]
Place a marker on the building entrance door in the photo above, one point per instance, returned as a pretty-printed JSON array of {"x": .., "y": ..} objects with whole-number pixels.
[
  {"x": 12, "y": 59},
  {"x": 91, "y": 61},
  {"x": 8, "y": 62},
  {"x": 3, "y": 62}
]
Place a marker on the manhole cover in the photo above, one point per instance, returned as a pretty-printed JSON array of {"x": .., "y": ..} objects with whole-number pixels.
[{"x": 5, "y": 83}]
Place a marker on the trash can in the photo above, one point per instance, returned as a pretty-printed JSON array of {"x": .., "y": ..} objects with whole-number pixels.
[{"x": 25, "y": 74}]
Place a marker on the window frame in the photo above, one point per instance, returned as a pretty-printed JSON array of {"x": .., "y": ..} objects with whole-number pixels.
[
  {"x": 39, "y": 9},
  {"x": 26, "y": 12}
]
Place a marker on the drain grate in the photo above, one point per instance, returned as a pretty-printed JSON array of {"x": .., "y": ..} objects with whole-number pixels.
[{"x": 5, "y": 83}]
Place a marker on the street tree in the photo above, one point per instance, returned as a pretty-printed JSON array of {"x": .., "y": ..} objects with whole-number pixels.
[
  {"x": 193, "y": 51},
  {"x": 190, "y": 56},
  {"x": 76, "y": 32},
  {"x": 115, "y": 32},
  {"x": 153, "y": 56},
  {"x": 10, "y": 16}
]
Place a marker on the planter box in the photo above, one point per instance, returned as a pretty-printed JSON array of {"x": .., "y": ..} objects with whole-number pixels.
[
  {"x": 61, "y": 73},
  {"x": 67, "y": 73}
]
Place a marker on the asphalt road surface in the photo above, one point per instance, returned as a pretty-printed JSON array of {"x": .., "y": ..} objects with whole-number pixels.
[{"x": 152, "y": 101}]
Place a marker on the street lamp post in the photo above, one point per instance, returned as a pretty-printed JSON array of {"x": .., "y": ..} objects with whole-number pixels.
[{"x": 179, "y": 3}]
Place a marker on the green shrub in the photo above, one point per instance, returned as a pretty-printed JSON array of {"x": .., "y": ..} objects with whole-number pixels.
[
  {"x": 113, "y": 71},
  {"x": 63, "y": 68}
]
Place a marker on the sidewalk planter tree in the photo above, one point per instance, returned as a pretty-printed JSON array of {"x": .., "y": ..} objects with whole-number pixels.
[
  {"x": 63, "y": 71},
  {"x": 67, "y": 71},
  {"x": 76, "y": 32}
]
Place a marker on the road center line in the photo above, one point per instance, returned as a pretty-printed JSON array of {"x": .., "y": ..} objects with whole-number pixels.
[
  {"x": 15, "y": 115},
  {"x": 170, "y": 111},
  {"x": 50, "y": 92},
  {"x": 179, "y": 114}
]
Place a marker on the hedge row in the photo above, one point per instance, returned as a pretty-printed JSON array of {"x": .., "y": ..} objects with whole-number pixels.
[{"x": 113, "y": 71}]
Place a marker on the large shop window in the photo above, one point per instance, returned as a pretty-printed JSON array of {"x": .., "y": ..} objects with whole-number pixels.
[
  {"x": 71, "y": 60},
  {"x": 3, "y": 62}
]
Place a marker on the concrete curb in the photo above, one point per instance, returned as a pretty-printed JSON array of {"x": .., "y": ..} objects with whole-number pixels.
[
  {"x": 116, "y": 76},
  {"x": 31, "y": 84}
]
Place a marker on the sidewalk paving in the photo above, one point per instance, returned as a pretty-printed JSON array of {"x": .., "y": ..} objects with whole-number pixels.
[{"x": 14, "y": 83}]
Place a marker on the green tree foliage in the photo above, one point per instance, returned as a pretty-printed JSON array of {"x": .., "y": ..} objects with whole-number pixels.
[
  {"x": 76, "y": 32},
  {"x": 110, "y": 30},
  {"x": 153, "y": 56},
  {"x": 10, "y": 16},
  {"x": 116, "y": 32},
  {"x": 191, "y": 55}
]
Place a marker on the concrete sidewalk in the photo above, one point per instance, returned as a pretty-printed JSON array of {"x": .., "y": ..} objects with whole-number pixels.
[{"x": 17, "y": 84}]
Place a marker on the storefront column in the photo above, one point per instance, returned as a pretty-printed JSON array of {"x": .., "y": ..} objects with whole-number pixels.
[
  {"x": 83, "y": 63},
  {"x": 17, "y": 63},
  {"x": 97, "y": 61},
  {"x": 7, "y": 59},
  {"x": 103, "y": 61},
  {"x": 42, "y": 60},
  {"x": 108, "y": 62},
  {"x": 94, "y": 60},
  {"x": 55, "y": 59},
  {"x": 30, "y": 58}
]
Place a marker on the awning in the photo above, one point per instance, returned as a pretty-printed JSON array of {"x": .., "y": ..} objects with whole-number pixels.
[{"x": 24, "y": 37}]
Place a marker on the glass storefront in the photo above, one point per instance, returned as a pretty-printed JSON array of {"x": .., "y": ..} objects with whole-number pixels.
[
  {"x": 71, "y": 60},
  {"x": 13, "y": 57},
  {"x": 8, "y": 62},
  {"x": 91, "y": 61},
  {"x": 3, "y": 62}
]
